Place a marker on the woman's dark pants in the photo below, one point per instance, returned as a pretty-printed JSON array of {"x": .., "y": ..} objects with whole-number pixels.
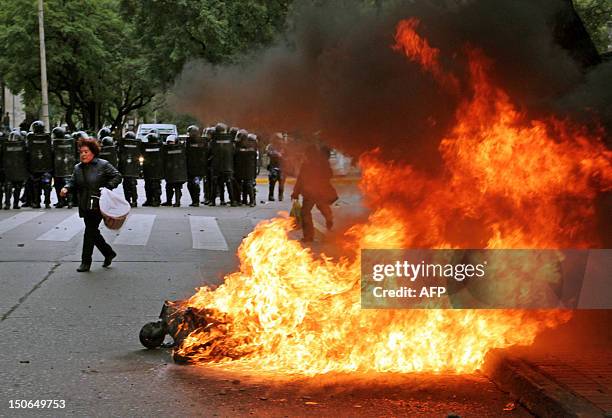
[{"x": 93, "y": 237}]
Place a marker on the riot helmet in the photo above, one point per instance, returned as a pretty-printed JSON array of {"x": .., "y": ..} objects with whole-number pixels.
[
  {"x": 107, "y": 141},
  {"x": 153, "y": 136},
  {"x": 37, "y": 127},
  {"x": 242, "y": 135},
  {"x": 252, "y": 138},
  {"x": 104, "y": 132},
  {"x": 193, "y": 131},
  {"x": 220, "y": 128},
  {"x": 130, "y": 135},
  {"x": 16, "y": 135},
  {"x": 171, "y": 140},
  {"x": 79, "y": 134},
  {"x": 58, "y": 132}
]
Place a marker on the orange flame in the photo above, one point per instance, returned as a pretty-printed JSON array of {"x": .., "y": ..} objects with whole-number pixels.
[
  {"x": 418, "y": 49},
  {"x": 508, "y": 182}
]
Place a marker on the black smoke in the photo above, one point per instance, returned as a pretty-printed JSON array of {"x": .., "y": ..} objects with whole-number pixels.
[{"x": 336, "y": 73}]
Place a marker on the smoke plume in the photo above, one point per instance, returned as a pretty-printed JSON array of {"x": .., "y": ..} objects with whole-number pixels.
[{"x": 336, "y": 73}]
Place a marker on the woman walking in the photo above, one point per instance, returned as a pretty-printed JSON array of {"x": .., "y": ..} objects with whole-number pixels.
[{"x": 87, "y": 178}]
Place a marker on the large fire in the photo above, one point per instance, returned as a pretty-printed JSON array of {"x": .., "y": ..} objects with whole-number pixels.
[{"x": 508, "y": 182}]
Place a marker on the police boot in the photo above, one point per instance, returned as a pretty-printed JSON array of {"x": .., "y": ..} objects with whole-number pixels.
[
  {"x": 69, "y": 200},
  {"x": 61, "y": 201},
  {"x": 48, "y": 199},
  {"x": 281, "y": 191},
  {"x": 271, "y": 192},
  {"x": 195, "y": 197},
  {"x": 16, "y": 194},
  {"x": 7, "y": 196},
  {"x": 169, "y": 195},
  {"x": 133, "y": 195},
  {"x": 252, "y": 197},
  {"x": 177, "y": 197}
]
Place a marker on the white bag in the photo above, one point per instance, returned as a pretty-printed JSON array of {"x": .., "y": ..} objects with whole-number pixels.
[{"x": 114, "y": 208}]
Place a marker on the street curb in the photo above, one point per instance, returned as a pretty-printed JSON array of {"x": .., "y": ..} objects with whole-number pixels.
[{"x": 538, "y": 393}]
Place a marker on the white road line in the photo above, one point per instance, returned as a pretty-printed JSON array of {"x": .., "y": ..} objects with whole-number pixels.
[
  {"x": 136, "y": 230},
  {"x": 65, "y": 230},
  {"x": 14, "y": 221},
  {"x": 206, "y": 235}
]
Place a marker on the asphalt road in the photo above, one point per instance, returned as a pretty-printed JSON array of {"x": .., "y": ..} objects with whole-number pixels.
[{"x": 74, "y": 337}]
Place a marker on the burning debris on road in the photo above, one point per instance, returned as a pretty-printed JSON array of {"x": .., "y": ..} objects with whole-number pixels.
[{"x": 507, "y": 179}]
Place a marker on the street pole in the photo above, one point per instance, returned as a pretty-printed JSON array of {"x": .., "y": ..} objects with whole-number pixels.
[{"x": 43, "y": 67}]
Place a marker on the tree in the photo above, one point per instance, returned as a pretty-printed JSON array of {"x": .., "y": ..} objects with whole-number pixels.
[
  {"x": 91, "y": 55},
  {"x": 174, "y": 32},
  {"x": 595, "y": 15}
]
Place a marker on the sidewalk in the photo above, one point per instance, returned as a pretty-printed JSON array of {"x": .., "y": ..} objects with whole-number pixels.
[{"x": 568, "y": 373}]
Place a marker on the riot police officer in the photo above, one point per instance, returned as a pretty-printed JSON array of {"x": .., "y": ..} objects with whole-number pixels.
[
  {"x": 222, "y": 150},
  {"x": 40, "y": 163},
  {"x": 197, "y": 163},
  {"x": 276, "y": 173},
  {"x": 245, "y": 166},
  {"x": 129, "y": 152},
  {"x": 63, "y": 163},
  {"x": 208, "y": 176},
  {"x": 14, "y": 161},
  {"x": 153, "y": 169},
  {"x": 108, "y": 150},
  {"x": 175, "y": 170}
]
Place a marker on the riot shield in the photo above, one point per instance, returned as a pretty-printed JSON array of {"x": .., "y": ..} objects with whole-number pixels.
[
  {"x": 245, "y": 164},
  {"x": 40, "y": 157},
  {"x": 175, "y": 163},
  {"x": 222, "y": 150},
  {"x": 197, "y": 157},
  {"x": 129, "y": 154},
  {"x": 15, "y": 161},
  {"x": 109, "y": 153},
  {"x": 153, "y": 164},
  {"x": 63, "y": 157}
]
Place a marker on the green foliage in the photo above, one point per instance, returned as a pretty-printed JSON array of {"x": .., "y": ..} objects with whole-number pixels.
[
  {"x": 90, "y": 53},
  {"x": 595, "y": 14},
  {"x": 176, "y": 31}
]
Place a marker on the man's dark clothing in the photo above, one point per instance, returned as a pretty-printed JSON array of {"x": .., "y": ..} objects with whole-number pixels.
[{"x": 314, "y": 184}]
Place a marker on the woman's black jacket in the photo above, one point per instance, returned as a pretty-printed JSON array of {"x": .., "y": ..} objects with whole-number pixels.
[{"x": 87, "y": 179}]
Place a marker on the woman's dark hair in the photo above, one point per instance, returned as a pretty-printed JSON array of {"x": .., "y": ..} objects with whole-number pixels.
[{"x": 91, "y": 143}]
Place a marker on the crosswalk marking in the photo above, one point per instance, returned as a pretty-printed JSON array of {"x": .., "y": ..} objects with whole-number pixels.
[
  {"x": 136, "y": 230},
  {"x": 65, "y": 230},
  {"x": 206, "y": 235},
  {"x": 14, "y": 221}
]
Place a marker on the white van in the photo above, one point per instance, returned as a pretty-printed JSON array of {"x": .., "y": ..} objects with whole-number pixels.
[{"x": 163, "y": 129}]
